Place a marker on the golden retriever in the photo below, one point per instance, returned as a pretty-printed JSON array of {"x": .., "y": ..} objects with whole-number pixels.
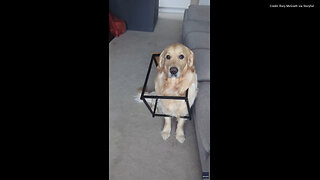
[{"x": 175, "y": 74}]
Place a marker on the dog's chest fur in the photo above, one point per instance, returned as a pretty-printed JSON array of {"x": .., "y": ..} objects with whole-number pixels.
[{"x": 176, "y": 87}]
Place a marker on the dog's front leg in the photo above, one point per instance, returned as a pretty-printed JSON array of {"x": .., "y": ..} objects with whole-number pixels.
[
  {"x": 183, "y": 87},
  {"x": 179, "y": 131},
  {"x": 166, "y": 128}
]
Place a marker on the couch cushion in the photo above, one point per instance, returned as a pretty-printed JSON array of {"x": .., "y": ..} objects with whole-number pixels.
[
  {"x": 192, "y": 26},
  {"x": 202, "y": 116},
  {"x": 196, "y": 40},
  {"x": 202, "y": 64},
  {"x": 199, "y": 13}
]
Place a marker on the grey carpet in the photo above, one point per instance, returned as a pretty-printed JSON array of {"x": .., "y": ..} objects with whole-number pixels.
[{"x": 136, "y": 148}]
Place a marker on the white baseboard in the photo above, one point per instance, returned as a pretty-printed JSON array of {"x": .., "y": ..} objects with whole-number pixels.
[
  {"x": 171, "y": 10},
  {"x": 172, "y": 16}
]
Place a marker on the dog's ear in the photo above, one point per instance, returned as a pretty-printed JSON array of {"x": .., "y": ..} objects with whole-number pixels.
[
  {"x": 161, "y": 60},
  {"x": 191, "y": 60}
]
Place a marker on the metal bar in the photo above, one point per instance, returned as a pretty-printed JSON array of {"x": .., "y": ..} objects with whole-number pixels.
[
  {"x": 188, "y": 107},
  {"x": 163, "y": 115},
  {"x": 147, "y": 105},
  {"x": 155, "y": 107},
  {"x": 187, "y": 103},
  {"x": 186, "y": 117},
  {"x": 146, "y": 80},
  {"x": 155, "y": 61},
  {"x": 165, "y": 97},
  {"x": 187, "y": 91}
]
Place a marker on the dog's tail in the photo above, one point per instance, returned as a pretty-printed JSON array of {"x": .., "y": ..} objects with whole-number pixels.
[
  {"x": 138, "y": 96},
  {"x": 150, "y": 101}
]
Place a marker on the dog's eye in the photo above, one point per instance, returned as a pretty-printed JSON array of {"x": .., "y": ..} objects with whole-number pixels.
[
  {"x": 168, "y": 57},
  {"x": 181, "y": 56}
]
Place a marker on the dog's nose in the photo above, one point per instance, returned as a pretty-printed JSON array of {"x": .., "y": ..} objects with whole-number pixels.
[{"x": 173, "y": 70}]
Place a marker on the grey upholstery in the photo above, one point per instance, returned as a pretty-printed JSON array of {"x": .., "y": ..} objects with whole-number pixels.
[
  {"x": 202, "y": 64},
  {"x": 196, "y": 36},
  {"x": 195, "y": 26},
  {"x": 202, "y": 115},
  {"x": 202, "y": 123},
  {"x": 199, "y": 13},
  {"x": 196, "y": 40}
]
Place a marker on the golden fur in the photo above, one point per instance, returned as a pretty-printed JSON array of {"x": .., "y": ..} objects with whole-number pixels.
[{"x": 168, "y": 85}]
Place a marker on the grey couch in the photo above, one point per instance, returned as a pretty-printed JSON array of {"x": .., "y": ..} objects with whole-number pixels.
[{"x": 196, "y": 36}]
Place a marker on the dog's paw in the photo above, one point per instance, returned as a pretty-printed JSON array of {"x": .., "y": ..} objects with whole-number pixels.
[
  {"x": 165, "y": 135},
  {"x": 180, "y": 138}
]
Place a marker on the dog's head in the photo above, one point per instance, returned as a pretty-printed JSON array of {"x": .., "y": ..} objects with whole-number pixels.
[{"x": 175, "y": 60}]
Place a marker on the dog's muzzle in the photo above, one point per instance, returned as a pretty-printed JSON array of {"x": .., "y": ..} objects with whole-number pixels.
[{"x": 173, "y": 72}]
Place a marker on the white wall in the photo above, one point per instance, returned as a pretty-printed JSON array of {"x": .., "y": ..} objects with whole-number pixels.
[
  {"x": 194, "y": 2},
  {"x": 173, "y": 6},
  {"x": 204, "y": 2}
]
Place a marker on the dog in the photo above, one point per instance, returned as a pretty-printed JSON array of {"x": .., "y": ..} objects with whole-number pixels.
[{"x": 175, "y": 74}]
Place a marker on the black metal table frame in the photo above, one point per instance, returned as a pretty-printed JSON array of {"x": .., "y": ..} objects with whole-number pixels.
[{"x": 143, "y": 97}]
